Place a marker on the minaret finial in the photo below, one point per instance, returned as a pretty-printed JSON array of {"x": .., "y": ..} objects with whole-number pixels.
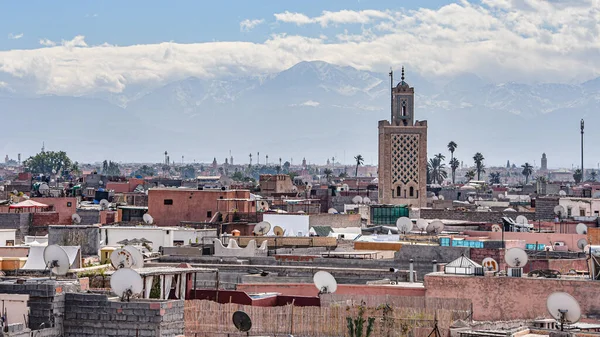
[{"x": 402, "y": 78}]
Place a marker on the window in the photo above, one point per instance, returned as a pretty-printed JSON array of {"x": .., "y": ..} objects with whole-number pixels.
[
  {"x": 398, "y": 192},
  {"x": 411, "y": 191},
  {"x": 209, "y": 214},
  {"x": 168, "y": 201},
  {"x": 581, "y": 212},
  {"x": 569, "y": 211}
]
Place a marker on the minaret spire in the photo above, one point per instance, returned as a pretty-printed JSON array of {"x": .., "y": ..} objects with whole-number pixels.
[{"x": 402, "y": 78}]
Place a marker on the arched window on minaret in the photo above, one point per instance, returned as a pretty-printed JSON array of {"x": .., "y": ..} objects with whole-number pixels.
[
  {"x": 411, "y": 191},
  {"x": 398, "y": 192}
]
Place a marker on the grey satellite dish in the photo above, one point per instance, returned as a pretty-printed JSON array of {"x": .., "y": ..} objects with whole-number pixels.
[
  {"x": 104, "y": 204},
  {"x": 490, "y": 264},
  {"x": 422, "y": 224},
  {"x": 44, "y": 189},
  {"x": 345, "y": 187},
  {"x": 15, "y": 192},
  {"x": 581, "y": 229},
  {"x": 404, "y": 225},
  {"x": 516, "y": 257},
  {"x": 242, "y": 321},
  {"x": 357, "y": 199},
  {"x": 325, "y": 282},
  {"x": 125, "y": 283},
  {"x": 366, "y": 200},
  {"x": 582, "y": 243},
  {"x": 436, "y": 226},
  {"x": 100, "y": 183},
  {"x": 560, "y": 211},
  {"x": 56, "y": 260},
  {"x": 521, "y": 219},
  {"x": 76, "y": 218},
  {"x": 564, "y": 308},
  {"x": 262, "y": 228},
  {"x": 332, "y": 211},
  {"x": 148, "y": 219},
  {"x": 138, "y": 258},
  {"x": 562, "y": 193},
  {"x": 121, "y": 258}
]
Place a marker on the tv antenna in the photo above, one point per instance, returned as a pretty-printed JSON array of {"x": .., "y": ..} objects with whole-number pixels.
[
  {"x": 104, "y": 204},
  {"x": 126, "y": 283},
  {"x": 56, "y": 260},
  {"x": 262, "y": 228},
  {"x": 404, "y": 225},
  {"x": 242, "y": 322},
  {"x": 581, "y": 229},
  {"x": 121, "y": 258},
  {"x": 76, "y": 218},
  {"x": 436, "y": 226},
  {"x": 148, "y": 219},
  {"x": 564, "y": 308},
  {"x": 490, "y": 264},
  {"x": 325, "y": 282},
  {"x": 278, "y": 231}
]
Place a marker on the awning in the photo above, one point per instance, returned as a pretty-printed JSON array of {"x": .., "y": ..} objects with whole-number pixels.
[{"x": 28, "y": 204}]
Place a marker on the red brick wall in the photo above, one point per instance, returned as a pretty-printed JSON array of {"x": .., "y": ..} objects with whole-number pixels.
[
  {"x": 45, "y": 219},
  {"x": 61, "y": 206}
]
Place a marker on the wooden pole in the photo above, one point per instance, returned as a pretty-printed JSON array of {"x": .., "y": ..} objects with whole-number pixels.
[{"x": 292, "y": 317}]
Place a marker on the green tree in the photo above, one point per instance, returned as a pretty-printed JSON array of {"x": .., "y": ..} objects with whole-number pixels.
[
  {"x": 359, "y": 161},
  {"x": 111, "y": 168},
  {"x": 328, "y": 173},
  {"x": 578, "y": 176},
  {"x": 527, "y": 171},
  {"x": 440, "y": 157},
  {"x": 436, "y": 171},
  {"x": 452, "y": 147},
  {"x": 356, "y": 326},
  {"x": 237, "y": 176},
  {"x": 479, "y": 166},
  {"x": 145, "y": 171},
  {"x": 343, "y": 175},
  {"x": 470, "y": 175},
  {"x": 593, "y": 175},
  {"x": 188, "y": 172},
  {"x": 48, "y": 161},
  {"x": 454, "y": 164},
  {"x": 495, "y": 178},
  {"x": 278, "y": 169}
]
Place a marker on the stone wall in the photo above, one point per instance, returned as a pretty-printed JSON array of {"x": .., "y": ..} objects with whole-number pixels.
[
  {"x": 424, "y": 255},
  {"x": 85, "y": 236},
  {"x": 544, "y": 208},
  {"x": 335, "y": 220},
  {"x": 494, "y": 217},
  {"x": 89, "y": 216},
  {"x": 95, "y": 315}
]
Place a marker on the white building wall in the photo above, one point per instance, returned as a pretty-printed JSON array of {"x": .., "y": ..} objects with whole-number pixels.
[
  {"x": 188, "y": 235},
  {"x": 590, "y": 207},
  {"x": 160, "y": 236},
  {"x": 7, "y": 236},
  {"x": 293, "y": 225}
]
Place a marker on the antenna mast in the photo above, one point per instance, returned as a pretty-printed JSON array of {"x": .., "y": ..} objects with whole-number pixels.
[
  {"x": 582, "y": 171},
  {"x": 391, "y": 95}
]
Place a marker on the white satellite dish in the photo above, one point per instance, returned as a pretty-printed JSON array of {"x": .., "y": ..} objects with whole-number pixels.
[
  {"x": 44, "y": 188},
  {"x": 581, "y": 229},
  {"x": 262, "y": 228},
  {"x": 121, "y": 258},
  {"x": 104, "y": 204},
  {"x": 345, "y": 187},
  {"x": 582, "y": 243},
  {"x": 76, "y": 218},
  {"x": 496, "y": 228},
  {"x": 148, "y": 219},
  {"x": 562, "y": 193},
  {"x": 470, "y": 199},
  {"x": 490, "y": 264},
  {"x": 564, "y": 308},
  {"x": 138, "y": 258},
  {"x": 404, "y": 225},
  {"x": 560, "y": 211},
  {"x": 263, "y": 205},
  {"x": 56, "y": 259},
  {"x": 325, "y": 282},
  {"x": 441, "y": 197},
  {"x": 366, "y": 200},
  {"x": 422, "y": 224},
  {"x": 521, "y": 219},
  {"x": 332, "y": 211},
  {"x": 436, "y": 226},
  {"x": 125, "y": 283},
  {"x": 516, "y": 257},
  {"x": 357, "y": 199},
  {"x": 102, "y": 183}
]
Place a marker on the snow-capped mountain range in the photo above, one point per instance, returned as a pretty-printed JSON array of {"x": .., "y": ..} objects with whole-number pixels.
[{"x": 313, "y": 109}]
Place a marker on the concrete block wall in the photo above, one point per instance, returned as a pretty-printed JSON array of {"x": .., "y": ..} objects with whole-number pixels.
[
  {"x": 87, "y": 237},
  {"x": 544, "y": 208},
  {"x": 46, "y": 302},
  {"x": 335, "y": 220},
  {"x": 89, "y": 216},
  {"x": 95, "y": 315},
  {"x": 493, "y": 217}
]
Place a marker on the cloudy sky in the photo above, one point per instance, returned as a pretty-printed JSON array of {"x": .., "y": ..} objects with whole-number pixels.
[{"x": 81, "y": 47}]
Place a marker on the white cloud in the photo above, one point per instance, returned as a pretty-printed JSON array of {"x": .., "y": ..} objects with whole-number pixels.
[
  {"x": 15, "y": 36},
  {"x": 308, "y": 103},
  {"x": 500, "y": 40},
  {"x": 247, "y": 25},
  {"x": 47, "y": 43}
]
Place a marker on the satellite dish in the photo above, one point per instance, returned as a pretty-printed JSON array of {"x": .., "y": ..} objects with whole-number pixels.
[
  {"x": 263, "y": 206},
  {"x": 44, "y": 188},
  {"x": 470, "y": 199},
  {"x": 562, "y": 193},
  {"x": 521, "y": 219},
  {"x": 53, "y": 171},
  {"x": 121, "y": 258},
  {"x": 148, "y": 219},
  {"x": 564, "y": 308},
  {"x": 496, "y": 228},
  {"x": 325, "y": 282},
  {"x": 404, "y": 225},
  {"x": 332, "y": 211},
  {"x": 278, "y": 231},
  {"x": 345, "y": 187},
  {"x": 76, "y": 218},
  {"x": 582, "y": 243},
  {"x": 490, "y": 264},
  {"x": 56, "y": 259},
  {"x": 441, "y": 197},
  {"x": 366, "y": 200},
  {"x": 357, "y": 199},
  {"x": 102, "y": 183},
  {"x": 125, "y": 283},
  {"x": 15, "y": 192},
  {"x": 560, "y": 211},
  {"x": 581, "y": 229},
  {"x": 436, "y": 226},
  {"x": 422, "y": 224},
  {"x": 516, "y": 257},
  {"x": 104, "y": 204},
  {"x": 138, "y": 258},
  {"x": 262, "y": 228},
  {"x": 242, "y": 321}
]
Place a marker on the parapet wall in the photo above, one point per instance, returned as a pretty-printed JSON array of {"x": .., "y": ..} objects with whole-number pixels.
[
  {"x": 335, "y": 220},
  {"x": 493, "y": 217}
]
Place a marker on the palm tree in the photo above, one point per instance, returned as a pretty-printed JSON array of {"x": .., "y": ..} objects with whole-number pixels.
[
  {"x": 479, "y": 166},
  {"x": 577, "y": 176},
  {"x": 436, "y": 171},
  {"x": 452, "y": 147},
  {"x": 470, "y": 175},
  {"x": 495, "y": 177},
  {"x": 359, "y": 161},
  {"x": 593, "y": 175},
  {"x": 328, "y": 174},
  {"x": 278, "y": 169},
  {"x": 454, "y": 164},
  {"x": 527, "y": 171},
  {"x": 440, "y": 157}
]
